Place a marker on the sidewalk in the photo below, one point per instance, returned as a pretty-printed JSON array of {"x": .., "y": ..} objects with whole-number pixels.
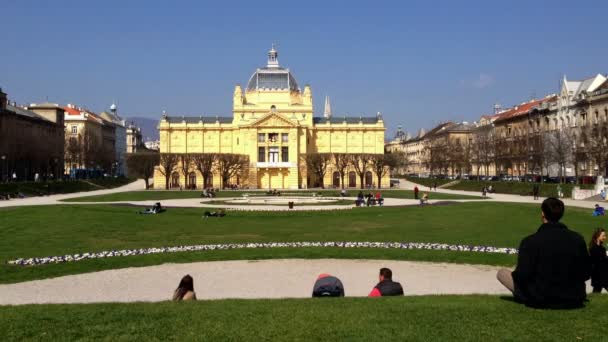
[
  {"x": 54, "y": 199},
  {"x": 407, "y": 185}
]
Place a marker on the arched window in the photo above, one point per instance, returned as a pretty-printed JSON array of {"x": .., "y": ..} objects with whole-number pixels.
[
  {"x": 209, "y": 182},
  {"x": 175, "y": 180},
  {"x": 192, "y": 180},
  {"x": 336, "y": 179},
  {"x": 352, "y": 179},
  {"x": 369, "y": 179}
]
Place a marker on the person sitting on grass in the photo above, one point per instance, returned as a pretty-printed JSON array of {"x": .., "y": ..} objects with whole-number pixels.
[
  {"x": 219, "y": 213},
  {"x": 598, "y": 211},
  {"x": 327, "y": 285},
  {"x": 599, "y": 261},
  {"x": 156, "y": 208},
  {"x": 552, "y": 264},
  {"x": 386, "y": 286},
  {"x": 185, "y": 289}
]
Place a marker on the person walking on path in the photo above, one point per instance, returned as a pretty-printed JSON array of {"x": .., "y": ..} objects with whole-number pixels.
[
  {"x": 599, "y": 261},
  {"x": 552, "y": 264},
  {"x": 435, "y": 185},
  {"x": 484, "y": 191},
  {"x": 416, "y": 192},
  {"x": 535, "y": 191},
  {"x": 386, "y": 286}
]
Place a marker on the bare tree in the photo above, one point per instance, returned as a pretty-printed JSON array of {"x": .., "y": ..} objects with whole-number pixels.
[
  {"x": 204, "y": 163},
  {"x": 597, "y": 146},
  {"x": 231, "y": 165},
  {"x": 341, "y": 162},
  {"x": 168, "y": 162},
  {"x": 558, "y": 149},
  {"x": 382, "y": 164},
  {"x": 360, "y": 162},
  {"x": 141, "y": 164},
  {"x": 184, "y": 167},
  {"x": 317, "y": 164}
]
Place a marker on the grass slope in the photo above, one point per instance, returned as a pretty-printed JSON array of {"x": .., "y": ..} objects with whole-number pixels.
[
  {"x": 164, "y": 195},
  {"x": 57, "y": 230},
  {"x": 62, "y": 187},
  {"x": 425, "y": 318},
  {"x": 518, "y": 188}
]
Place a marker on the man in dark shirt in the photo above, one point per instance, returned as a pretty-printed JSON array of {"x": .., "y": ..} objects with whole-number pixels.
[
  {"x": 552, "y": 265},
  {"x": 386, "y": 286}
]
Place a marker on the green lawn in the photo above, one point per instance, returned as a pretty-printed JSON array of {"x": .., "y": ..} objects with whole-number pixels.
[
  {"x": 62, "y": 187},
  {"x": 518, "y": 188},
  {"x": 424, "y": 318},
  {"x": 67, "y": 229},
  {"x": 164, "y": 195},
  {"x": 428, "y": 182}
]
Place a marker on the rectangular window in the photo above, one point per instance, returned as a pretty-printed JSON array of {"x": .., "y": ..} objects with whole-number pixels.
[
  {"x": 285, "y": 137},
  {"x": 261, "y": 137},
  {"x": 74, "y": 129},
  {"x": 273, "y": 155},
  {"x": 261, "y": 154},
  {"x": 285, "y": 154}
]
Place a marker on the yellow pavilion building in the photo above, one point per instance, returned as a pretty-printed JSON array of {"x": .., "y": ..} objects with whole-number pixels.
[{"x": 273, "y": 123}]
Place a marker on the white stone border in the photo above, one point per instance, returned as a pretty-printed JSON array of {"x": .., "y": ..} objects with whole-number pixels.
[{"x": 158, "y": 250}]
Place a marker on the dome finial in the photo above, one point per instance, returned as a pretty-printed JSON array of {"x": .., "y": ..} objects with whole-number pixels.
[{"x": 273, "y": 58}]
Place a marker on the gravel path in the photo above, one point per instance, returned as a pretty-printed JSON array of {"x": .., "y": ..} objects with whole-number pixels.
[{"x": 289, "y": 278}]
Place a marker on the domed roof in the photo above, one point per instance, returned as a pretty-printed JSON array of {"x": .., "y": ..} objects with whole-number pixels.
[{"x": 272, "y": 77}]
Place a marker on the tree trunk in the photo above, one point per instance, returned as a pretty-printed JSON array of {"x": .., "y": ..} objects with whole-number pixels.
[
  {"x": 379, "y": 180},
  {"x": 146, "y": 181},
  {"x": 167, "y": 181},
  {"x": 342, "y": 180},
  {"x": 361, "y": 178}
]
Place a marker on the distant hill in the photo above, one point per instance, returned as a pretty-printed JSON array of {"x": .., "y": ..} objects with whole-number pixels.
[{"x": 147, "y": 125}]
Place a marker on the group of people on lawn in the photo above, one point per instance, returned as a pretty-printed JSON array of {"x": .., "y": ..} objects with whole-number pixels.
[
  {"x": 369, "y": 199},
  {"x": 552, "y": 267},
  {"x": 326, "y": 285}
]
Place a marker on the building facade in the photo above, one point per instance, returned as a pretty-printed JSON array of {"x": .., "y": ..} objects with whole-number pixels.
[
  {"x": 31, "y": 141},
  {"x": 120, "y": 139},
  {"x": 134, "y": 139},
  {"x": 273, "y": 124},
  {"x": 90, "y": 141}
]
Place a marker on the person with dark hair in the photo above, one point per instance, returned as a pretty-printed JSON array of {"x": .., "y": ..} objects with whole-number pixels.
[
  {"x": 552, "y": 264},
  {"x": 156, "y": 208},
  {"x": 416, "y": 190},
  {"x": 327, "y": 285},
  {"x": 386, "y": 286},
  {"x": 185, "y": 289},
  {"x": 598, "y": 211},
  {"x": 599, "y": 261}
]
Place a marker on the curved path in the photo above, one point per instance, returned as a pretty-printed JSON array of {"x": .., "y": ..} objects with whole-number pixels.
[
  {"x": 404, "y": 184},
  {"x": 289, "y": 278}
]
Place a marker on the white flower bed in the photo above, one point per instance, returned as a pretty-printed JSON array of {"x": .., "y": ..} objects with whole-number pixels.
[{"x": 157, "y": 250}]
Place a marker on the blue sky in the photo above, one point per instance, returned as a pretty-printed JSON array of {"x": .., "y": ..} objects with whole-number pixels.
[{"x": 416, "y": 62}]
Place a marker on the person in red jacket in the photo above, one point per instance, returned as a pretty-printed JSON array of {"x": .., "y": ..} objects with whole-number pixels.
[{"x": 386, "y": 286}]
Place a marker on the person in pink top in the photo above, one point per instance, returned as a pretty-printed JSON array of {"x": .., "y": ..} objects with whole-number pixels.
[{"x": 386, "y": 286}]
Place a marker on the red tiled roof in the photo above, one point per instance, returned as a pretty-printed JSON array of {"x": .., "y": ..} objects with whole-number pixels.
[
  {"x": 522, "y": 109},
  {"x": 71, "y": 111}
]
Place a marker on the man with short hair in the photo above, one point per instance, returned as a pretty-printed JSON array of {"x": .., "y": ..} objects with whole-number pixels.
[
  {"x": 552, "y": 265},
  {"x": 386, "y": 286}
]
